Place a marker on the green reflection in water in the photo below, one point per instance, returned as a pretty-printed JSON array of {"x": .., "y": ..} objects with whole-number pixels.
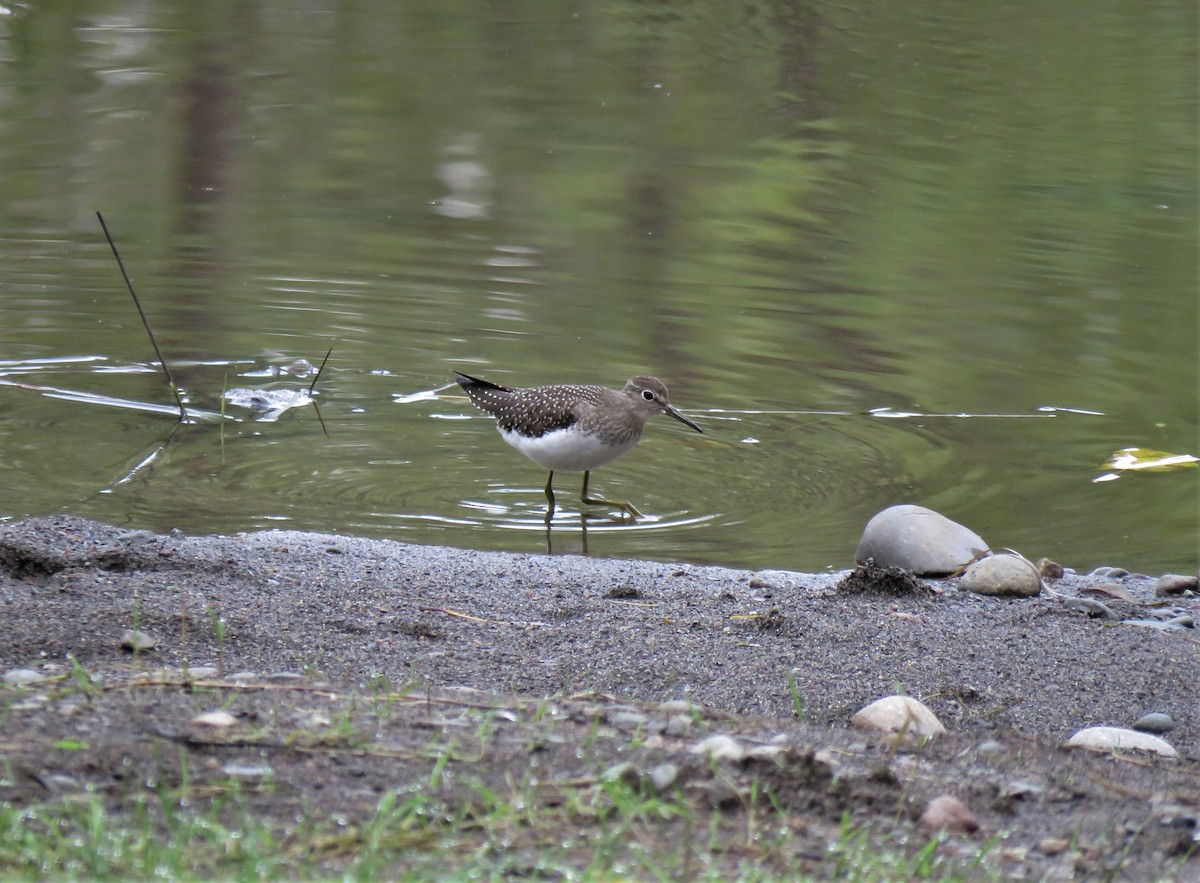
[{"x": 940, "y": 208}]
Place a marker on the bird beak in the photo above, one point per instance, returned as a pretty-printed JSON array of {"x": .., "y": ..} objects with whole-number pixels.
[{"x": 670, "y": 409}]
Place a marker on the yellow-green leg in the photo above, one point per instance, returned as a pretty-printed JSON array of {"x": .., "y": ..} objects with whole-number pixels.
[
  {"x": 550, "y": 498},
  {"x": 627, "y": 508}
]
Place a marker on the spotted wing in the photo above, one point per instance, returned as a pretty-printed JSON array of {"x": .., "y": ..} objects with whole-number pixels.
[{"x": 530, "y": 411}]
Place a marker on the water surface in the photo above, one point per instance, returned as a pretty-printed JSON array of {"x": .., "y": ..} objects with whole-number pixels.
[{"x": 942, "y": 254}]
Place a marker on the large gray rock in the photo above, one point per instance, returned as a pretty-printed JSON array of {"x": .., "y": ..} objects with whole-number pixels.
[{"x": 917, "y": 539}]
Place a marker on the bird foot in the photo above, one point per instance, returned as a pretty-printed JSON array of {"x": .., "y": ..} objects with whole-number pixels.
[{"x": 628, "y": 511}]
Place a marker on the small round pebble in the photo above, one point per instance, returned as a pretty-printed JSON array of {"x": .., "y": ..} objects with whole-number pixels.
[
  {"x": 1050, "y": 569},
  {"x": 676, "y": 706},
  {"x": 720, "y": 747},
  {"x": 622, "y": 772},
  {"x": 1155, "y": 722},
  {"x": 664, "y": 776},
  {"x": 1053, "y": 846},
  {"x": 246, "y": 770},
  {"x": 137, "y": 641},
  {"x": 627, "y": 720},
  {"x": 948, "y": 813},
  {"x": 679, "y": 725},
  {"x": 23, "y": 676},
  {"x": 217, "y": 719},
  {"x": 898, "y": 714}
]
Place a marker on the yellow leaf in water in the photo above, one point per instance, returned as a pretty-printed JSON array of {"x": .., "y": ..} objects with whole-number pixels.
[{"x": 1149, "y": 461}]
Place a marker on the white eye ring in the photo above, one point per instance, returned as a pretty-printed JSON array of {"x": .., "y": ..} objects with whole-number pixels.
[{"x": 648, "y": 395}]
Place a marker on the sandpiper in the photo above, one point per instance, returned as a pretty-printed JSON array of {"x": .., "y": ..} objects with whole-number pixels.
[{"x": 573, "y": 428}]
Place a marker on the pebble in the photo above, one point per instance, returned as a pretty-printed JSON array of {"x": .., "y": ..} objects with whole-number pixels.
[
  {"x": 1110, "y": 738},
  {"x": 1109, "y": 573},
  {"x": 1053, "y": 846},
  {"x": 948, "y": 813},
  {"x": 1093, "y": 608},
  {"x": 135, "y": 537},
  {"x": 1155, "y": 722},
  {"x": 315, "y": 721},
  {"x": 679, "y": 725},
  {"x": 622, "y": 772},
  {"x": 137, "y": 641},
  {"x": 766, "y": 752},
  {"x": 217, "y": 719},
  {"x": 1175, "y": 624},
  {"x": 719, "y": 747},
  {"x": 1002, "y": 575},
  {"x": 23, "y": 676},
  {"x": 1175, "y": 584},
  {"x": 627, "y": 720},
  {"x": 1112, "y": 590},
  {"x": 723, "y": 794},
  {"x": 1050, "y": 569},
  {"x": 1022, "y": 789},
  {"x": 246, "y": 770},
  {"x": 917, "y": 539},
  {"x": 664, "y": 776},
  {"x": 898, "y": 714},
  {"x": 676, "y": 706}
]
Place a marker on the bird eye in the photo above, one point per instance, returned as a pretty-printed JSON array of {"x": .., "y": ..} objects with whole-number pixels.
[{"x": 648, "y": 394}]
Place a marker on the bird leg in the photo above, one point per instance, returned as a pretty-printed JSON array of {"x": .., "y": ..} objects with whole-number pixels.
[
  {"x": 550, "y": 498},
  {"x": 627, "y": 508}
]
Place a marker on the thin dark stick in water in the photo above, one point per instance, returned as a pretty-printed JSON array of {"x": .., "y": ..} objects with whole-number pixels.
[
  {"x": 146, "y": 322},
  {"x": 313, "y": 385}
]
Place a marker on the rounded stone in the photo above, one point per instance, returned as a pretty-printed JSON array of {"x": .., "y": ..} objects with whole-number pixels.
[
  {"x": 23, "y": 676},
  {"x": 948, "y": 813},
  {"x": 1155, "y": 722},
  {"x": 1113, "y": 738},
  {"x": 627, "y": 720},
  {"x": 898, "y": 714},
  {"x": 1050, "y": 569},
  {"x": 720, "y": 747},
  {"x": 917, "y": 539},
  {"x": 676, "y": 706},
  {"x": 137, "y": 641},
  {"x": 217, "y": 719},
  {"x": 1175, "y": 584},
  {"x": 1001, "y": 575},
  {"x": 622, "y": 772},
  {"x": 664, "y": 776},
  {"x": 679, "y": 725}
]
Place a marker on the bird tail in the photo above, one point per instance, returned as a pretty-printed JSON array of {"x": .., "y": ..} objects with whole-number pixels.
[{"x": 469, "y": 383}]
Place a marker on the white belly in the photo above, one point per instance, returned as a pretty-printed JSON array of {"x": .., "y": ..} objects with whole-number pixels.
[{"x": 567, "y": 450}]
